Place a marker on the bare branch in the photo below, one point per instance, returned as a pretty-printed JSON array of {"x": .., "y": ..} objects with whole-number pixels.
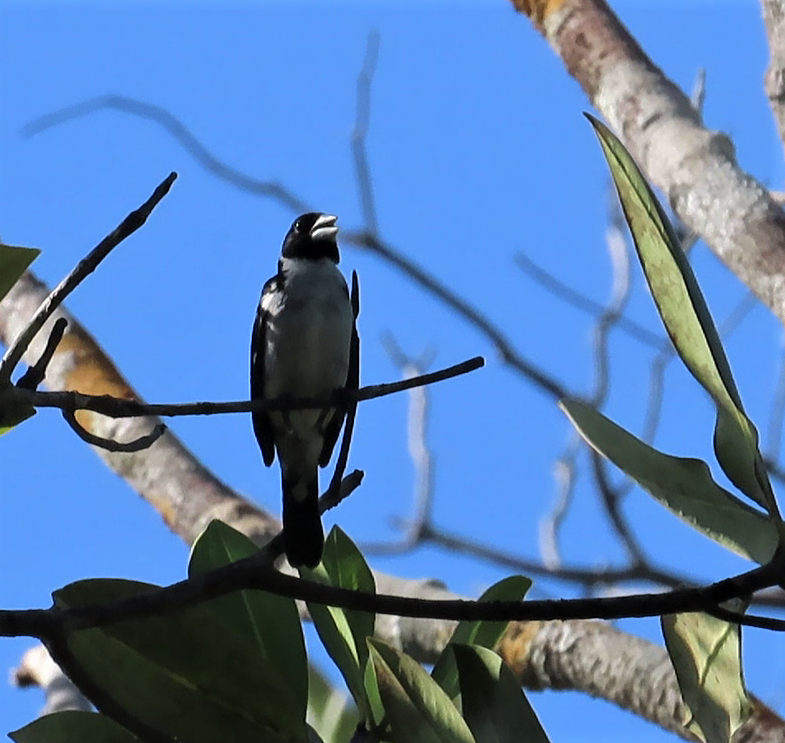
[
  {"x": 35, "y": 374},
  {"x": 143, "y": 442},
  {"x": 418, "y": 526},
  {"x": 175, "y": 127},
  {"x": 82, "y": 270},
  {"x": 565, "y": 474},
  {"x": 116, "y": 407},
  {"x": 360, "y": 133},
  {"x": 541, "y": 379},
  {"x": 575, "y": 299}
]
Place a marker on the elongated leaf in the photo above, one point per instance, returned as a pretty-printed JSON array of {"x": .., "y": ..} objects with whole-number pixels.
[
  {"x": 267, "y": 625},
  {"x": 706, "y": 654},
  {"x": 330, "y": 711},
  {"x": 687, "y": 320},
  {"x": 486, "y": 634},
  {"x": 682, "y": 485},
  {"x": 376, "y": 713},
  {"x": 417, "y": 708},
  {"x": 493, "y": 703},
  {"x": 72, "y": 727},
  {"x": 185, "y": 674},
  {"x": 344, "y": 632},
  {"x": 13, "y": 263}
]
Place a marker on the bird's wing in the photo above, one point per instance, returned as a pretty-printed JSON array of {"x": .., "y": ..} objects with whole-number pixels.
[
  {"x": 352, "y": 383},
  {"x": 262, "y": 427}
]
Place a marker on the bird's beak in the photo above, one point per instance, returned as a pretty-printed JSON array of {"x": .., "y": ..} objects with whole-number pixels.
[{"x": 324, "y": 227}]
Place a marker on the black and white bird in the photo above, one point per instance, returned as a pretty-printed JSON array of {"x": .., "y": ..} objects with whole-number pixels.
[{"x": 300, "y": 347}]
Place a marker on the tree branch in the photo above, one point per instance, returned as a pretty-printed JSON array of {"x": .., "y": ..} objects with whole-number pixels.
[
  {"x": 81, "y": 271},
  {"x": 696, "y": 168}
]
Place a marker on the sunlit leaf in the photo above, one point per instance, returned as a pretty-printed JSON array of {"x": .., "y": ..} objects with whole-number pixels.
[
  {"x": 14, "y": 261},
  {"x": 417, "y": 709},
  {"x": 687, "y": 320},
  {"x": 706, "y": 654},
  {"x": 682, "y": 485},
  {"x": 330, "y": 710}
]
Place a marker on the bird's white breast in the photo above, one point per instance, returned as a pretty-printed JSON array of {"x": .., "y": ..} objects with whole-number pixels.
[{"x": 309, "y": 330}]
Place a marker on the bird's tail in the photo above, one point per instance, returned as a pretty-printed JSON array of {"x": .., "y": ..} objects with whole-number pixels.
[{"x": 302, "y": 524}]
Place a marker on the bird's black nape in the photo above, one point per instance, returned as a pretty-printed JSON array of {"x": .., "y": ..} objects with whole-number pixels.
[{"x": 312, "y": 236}]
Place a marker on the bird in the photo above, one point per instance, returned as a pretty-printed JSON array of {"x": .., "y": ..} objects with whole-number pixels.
[{"x": 301, "y": 345}]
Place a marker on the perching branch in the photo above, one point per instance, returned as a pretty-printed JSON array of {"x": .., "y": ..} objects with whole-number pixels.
[
  {"x": 253, "y": 573},
  {"x": 115, "y": 407}
]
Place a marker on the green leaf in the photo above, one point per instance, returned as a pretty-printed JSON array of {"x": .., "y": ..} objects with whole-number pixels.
[
  {"x": 186, "y": 673},
  {"x": 13, "y": 263},
  {"x": 684, "y": 486},
  {"x": 343, "y": 632},
  {"x": 417, "y": 708},
  {"x": 493, "y": 703},
  {"x": 373, "y": 698},
  {"x": 687, "y": 320},
  {"x": 486, "y": 634},
  {"x": 268, "y": 625},
  {"x": 72, "y": 727},
  {"x": 330, "y": 712},
  {"x": 706, "y": 654}
]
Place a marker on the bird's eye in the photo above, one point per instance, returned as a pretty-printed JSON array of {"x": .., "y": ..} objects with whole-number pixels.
[{"x": 298, "y": 226}]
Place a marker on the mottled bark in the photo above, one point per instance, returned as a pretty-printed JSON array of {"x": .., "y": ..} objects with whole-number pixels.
[{"x": 695, "y": 167}]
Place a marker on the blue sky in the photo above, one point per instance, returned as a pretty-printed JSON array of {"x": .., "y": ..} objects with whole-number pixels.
[{"x": 478, "y": 151}]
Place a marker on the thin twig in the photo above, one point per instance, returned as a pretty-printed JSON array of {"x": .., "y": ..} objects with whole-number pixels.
[
  {"x": 588, "y": 577},
  {"x": 541, "y": 379},
  {"x": 565, "y": 474},
  {"x": 143, "y": 442},
  {"x": 82, "y": 270},
  {"x": 115, "y": 407},
  {"x": 36, "y": 373},
  {"x": 619, "y": 253},
  {"x": 698, "y": 94},
  {"x": 360, "y": 133},
  {"x": 162, "y": 117},
  {"x": 419, "y": 451},
  {"x": 611, "y": 500},
  {"x": 747, "y": 620},
  {"x": 581, "y": 302}
]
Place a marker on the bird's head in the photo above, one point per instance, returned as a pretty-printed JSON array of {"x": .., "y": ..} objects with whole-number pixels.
[{"x": 312, "y": 236}]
